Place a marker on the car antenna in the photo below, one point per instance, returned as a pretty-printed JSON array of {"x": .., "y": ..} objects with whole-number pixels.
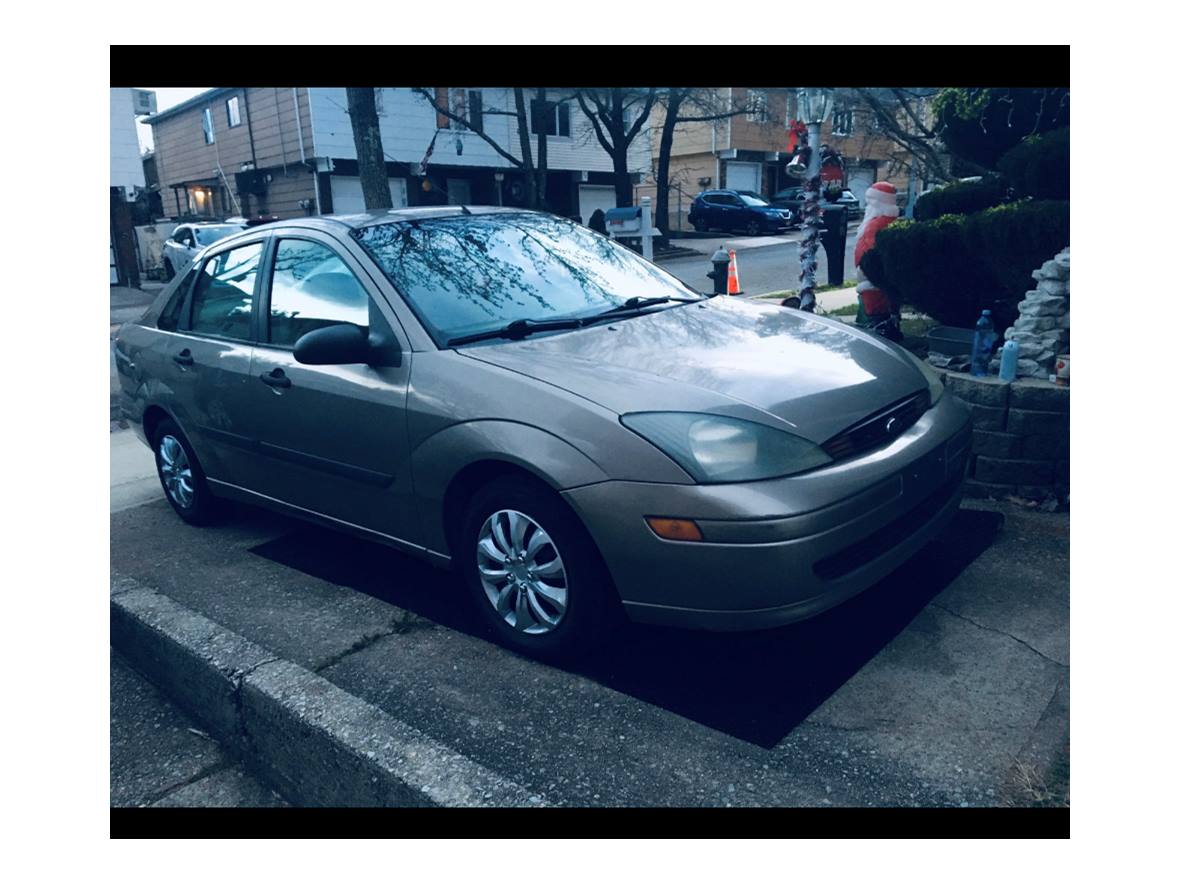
[{"x": 464, "y": 210}]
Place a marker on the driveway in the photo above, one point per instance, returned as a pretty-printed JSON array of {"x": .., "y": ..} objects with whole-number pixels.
[{"x": 945, "y": 684}]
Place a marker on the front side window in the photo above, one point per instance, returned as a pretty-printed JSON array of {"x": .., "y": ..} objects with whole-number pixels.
[
  {"x": 311, "y": 287},
  {"x": 207, "y": 125},
  {"x": 233, "y": 116},
  {"x": 472, "y": 273},
  {"x": 223, "y": 298}
]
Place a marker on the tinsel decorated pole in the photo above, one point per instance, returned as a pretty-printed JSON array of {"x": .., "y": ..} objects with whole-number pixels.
[{"x": 809, "y": 245}]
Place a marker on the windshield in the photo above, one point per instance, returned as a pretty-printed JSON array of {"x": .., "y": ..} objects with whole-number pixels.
[
  {"x": 466, "y": 274},
  {"x": 753, "y": 201},
  {"x": 209, "y": 235}
]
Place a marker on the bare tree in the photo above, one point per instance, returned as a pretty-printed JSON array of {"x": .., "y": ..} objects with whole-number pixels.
[
  {"x": 684, "y": 104},
  {"x": 901, "y": 116},
  {"x": 607, "y": 111},
  {"x": 535, "y": 173},
  {"x": 370, "y": 155}
]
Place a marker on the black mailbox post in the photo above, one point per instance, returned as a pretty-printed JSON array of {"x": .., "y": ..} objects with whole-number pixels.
[{"x": 833, "y": 237}]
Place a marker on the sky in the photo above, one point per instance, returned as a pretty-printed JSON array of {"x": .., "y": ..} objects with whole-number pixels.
[{"x": 166, "y": 97}]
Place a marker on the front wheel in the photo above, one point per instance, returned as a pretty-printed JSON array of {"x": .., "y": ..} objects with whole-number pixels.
[
  {"x": 169, "y": 273},
  {"x": 753, "y": 228},
  {"x": 533, "y": 571}
]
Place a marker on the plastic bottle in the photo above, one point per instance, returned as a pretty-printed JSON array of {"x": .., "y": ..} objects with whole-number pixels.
[
  {"x": 1009, "y": 354},
  {"x": 981, "y": 344}
]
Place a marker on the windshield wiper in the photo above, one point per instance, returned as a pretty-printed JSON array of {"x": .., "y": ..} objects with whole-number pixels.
[
  {"x": 516, "y": 330},
  {"x": 638, "y": 303}
]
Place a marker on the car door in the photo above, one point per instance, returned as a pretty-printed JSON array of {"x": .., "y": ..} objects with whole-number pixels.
[
  {"x": 331, "y": 439},
  {"x": 207, "y": 360}
]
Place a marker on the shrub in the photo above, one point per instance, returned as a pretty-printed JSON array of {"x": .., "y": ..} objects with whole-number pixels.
[
  {"x": 979, "y": 124},
  {"x": 927, "y": 265},
  {"x": 961, "y": 198},
  {"x": 1017, "y": 238},
  {"x": 957, "y": 265},
  {"x": 1038, "y": 167}
]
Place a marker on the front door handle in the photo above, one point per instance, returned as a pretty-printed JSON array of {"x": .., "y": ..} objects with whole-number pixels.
[
  {"x": 184, "y": 358},
  {"x": 276, "y": 378}
]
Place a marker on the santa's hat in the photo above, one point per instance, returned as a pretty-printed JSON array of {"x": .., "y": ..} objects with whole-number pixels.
[{"x": 882, "y": 193}]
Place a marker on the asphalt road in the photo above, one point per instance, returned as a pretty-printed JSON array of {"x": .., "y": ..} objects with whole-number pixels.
[
  {"x": 946, "y": 684},
  {"x": 761, "y": 268}
]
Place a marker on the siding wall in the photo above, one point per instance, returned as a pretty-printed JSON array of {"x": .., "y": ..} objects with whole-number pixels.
[
  {"x": 126, "y": 166},
  {"x": 408, "y": 123}
]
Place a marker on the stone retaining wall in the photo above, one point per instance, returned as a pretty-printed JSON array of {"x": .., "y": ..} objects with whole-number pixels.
[{"x": 1021, "y": 444}]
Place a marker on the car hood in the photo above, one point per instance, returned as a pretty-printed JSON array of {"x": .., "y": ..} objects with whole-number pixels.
[{"x": 726, "y": 356}]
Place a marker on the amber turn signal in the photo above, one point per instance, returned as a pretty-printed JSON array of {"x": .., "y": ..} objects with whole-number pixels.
[{"x": 675, "y": 529}]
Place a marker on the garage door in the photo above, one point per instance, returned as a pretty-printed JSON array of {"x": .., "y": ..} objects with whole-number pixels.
[
  {"x": 744, "y": 177},
  {"x": 859, "y": 181},
  {"x": 594, "y": 196},
  {"x": 347, "y": 197}
]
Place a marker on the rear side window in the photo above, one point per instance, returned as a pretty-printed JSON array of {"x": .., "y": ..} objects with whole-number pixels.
[
  {"x": 169, "y": 319},
  {"x": 311, "y": 288},
  {"x": 223, "y": 298}
]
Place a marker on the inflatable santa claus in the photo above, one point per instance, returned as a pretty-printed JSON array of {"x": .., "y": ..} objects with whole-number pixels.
[{"x": 880, "y": 211}]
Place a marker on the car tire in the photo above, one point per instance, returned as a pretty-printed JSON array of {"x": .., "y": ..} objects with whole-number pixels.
[
  {"x": 169, "y": 273},
  {"x": 699, "y": 226},
  {"x": 753, "y": 228},
  {"x": 181, "y": 476},
  {"x": 578, "y": 602}
]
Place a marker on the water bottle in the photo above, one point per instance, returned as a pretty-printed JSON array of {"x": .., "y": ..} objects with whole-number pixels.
[
  {"x": 1009, "y": 354},
  {"x": 981, "y": 344}
]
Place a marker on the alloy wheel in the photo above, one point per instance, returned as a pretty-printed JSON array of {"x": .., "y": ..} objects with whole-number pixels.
[
  {"x": 521, "y": 572},
  {"x": 176, "y": 471}
]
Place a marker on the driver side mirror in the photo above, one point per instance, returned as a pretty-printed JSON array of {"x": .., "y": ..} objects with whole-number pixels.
[{"x": 344, "y": 344}]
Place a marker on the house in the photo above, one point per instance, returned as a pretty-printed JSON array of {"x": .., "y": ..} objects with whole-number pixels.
[
  {"x": 289, "y": 151},
  {"x": 127, "y": 182},
  {"x": 750, "y": 150}
]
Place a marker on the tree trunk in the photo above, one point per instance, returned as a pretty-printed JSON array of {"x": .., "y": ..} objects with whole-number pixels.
[
  {"x": 664, "y": 161},
  {"x": 370, "y": 155},
  {"x": 543, "y": 153},
  {"x": 526, "y": 149}
]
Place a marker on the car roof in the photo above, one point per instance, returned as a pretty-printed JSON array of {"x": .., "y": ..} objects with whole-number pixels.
[{"x": 387, "y": 216}]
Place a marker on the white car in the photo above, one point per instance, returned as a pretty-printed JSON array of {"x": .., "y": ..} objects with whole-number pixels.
[{"x": 187, "y": 240}]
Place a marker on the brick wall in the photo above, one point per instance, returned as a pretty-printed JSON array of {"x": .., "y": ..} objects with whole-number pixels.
[{"x": 1021, "y": 437}]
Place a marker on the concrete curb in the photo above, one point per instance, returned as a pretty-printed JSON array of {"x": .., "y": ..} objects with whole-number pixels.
[{"x": 315, "y": 743}]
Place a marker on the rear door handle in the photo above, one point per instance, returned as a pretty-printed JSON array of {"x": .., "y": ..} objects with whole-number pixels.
[
  {"x": 184, "y": 358},
  {"x": 276, "y": 378}
]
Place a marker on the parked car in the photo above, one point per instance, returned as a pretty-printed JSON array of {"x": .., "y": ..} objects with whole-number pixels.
[
  {"x": 568, "y": 426},
  {"x": 848, "y": 200},
  {"x": 186, "y": 240},
  {"x": 736, "y": 211}
]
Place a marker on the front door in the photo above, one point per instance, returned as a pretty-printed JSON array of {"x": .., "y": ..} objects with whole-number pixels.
[
  {"x": 207, "y": 360},
  {"x": 331, "y": 439}
]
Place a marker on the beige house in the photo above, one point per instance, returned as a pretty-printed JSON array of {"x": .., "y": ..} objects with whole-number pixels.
[{"x": 749, "y": 151}]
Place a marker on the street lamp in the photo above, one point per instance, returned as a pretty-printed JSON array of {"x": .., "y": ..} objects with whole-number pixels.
[{"x": 814, "y": 105}]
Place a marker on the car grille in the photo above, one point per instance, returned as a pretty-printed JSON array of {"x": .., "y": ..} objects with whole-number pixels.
[{"x": 878, "y": 429}]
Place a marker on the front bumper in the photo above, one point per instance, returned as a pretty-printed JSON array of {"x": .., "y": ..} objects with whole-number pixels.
[{"x": 780, "y": 550}]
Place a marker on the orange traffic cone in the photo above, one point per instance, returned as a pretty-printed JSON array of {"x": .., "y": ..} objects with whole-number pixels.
[{"x": 735, "y": 288}]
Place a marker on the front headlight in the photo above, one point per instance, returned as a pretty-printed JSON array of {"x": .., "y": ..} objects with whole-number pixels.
[
  {"x": 933, "y": 379},
  {"x": 714, "y": 448}
]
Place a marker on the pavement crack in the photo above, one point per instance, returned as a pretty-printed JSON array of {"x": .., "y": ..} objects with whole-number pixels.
[
  {"x": 360, "y": 645},
  {"x": 207, "y": 771},
  {"x": 974, "y": 623}
]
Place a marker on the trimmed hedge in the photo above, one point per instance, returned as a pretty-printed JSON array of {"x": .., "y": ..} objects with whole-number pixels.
[
  {"x": 961, "y": 198},
  {"x": 1038, "y": 167},
  {"x": 955, "y": 266}
]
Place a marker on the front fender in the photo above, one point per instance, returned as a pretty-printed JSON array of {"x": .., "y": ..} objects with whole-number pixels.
[{"x": 439, "y": 458}]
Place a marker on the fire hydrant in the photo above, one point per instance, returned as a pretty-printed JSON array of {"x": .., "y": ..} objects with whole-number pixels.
[{"x": 720, "y": 272}]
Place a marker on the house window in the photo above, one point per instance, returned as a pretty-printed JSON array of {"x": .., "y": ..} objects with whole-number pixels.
[
  {"x": 756, "y": 109},
  {"x": 550, "y": 117},
  {"x": 379, "y": 101},
  {"x": 207, "y": 125},
  {"x": 841, "y": 120},
  {"x": 232, "y": 115},
  {"x": 442, "y": 97},
  {"x": 468, "y": 104}
]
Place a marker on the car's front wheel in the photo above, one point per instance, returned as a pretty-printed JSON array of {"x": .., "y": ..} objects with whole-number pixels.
[
  {"x": 753, "y": 228},
  {"x": 169, "y": 272},
  {"x": 533, "y": 572},
  {"x": 181, "y": 476}
]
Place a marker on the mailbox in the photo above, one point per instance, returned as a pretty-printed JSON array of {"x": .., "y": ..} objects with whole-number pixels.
[{"x": 627, "y": 220}]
